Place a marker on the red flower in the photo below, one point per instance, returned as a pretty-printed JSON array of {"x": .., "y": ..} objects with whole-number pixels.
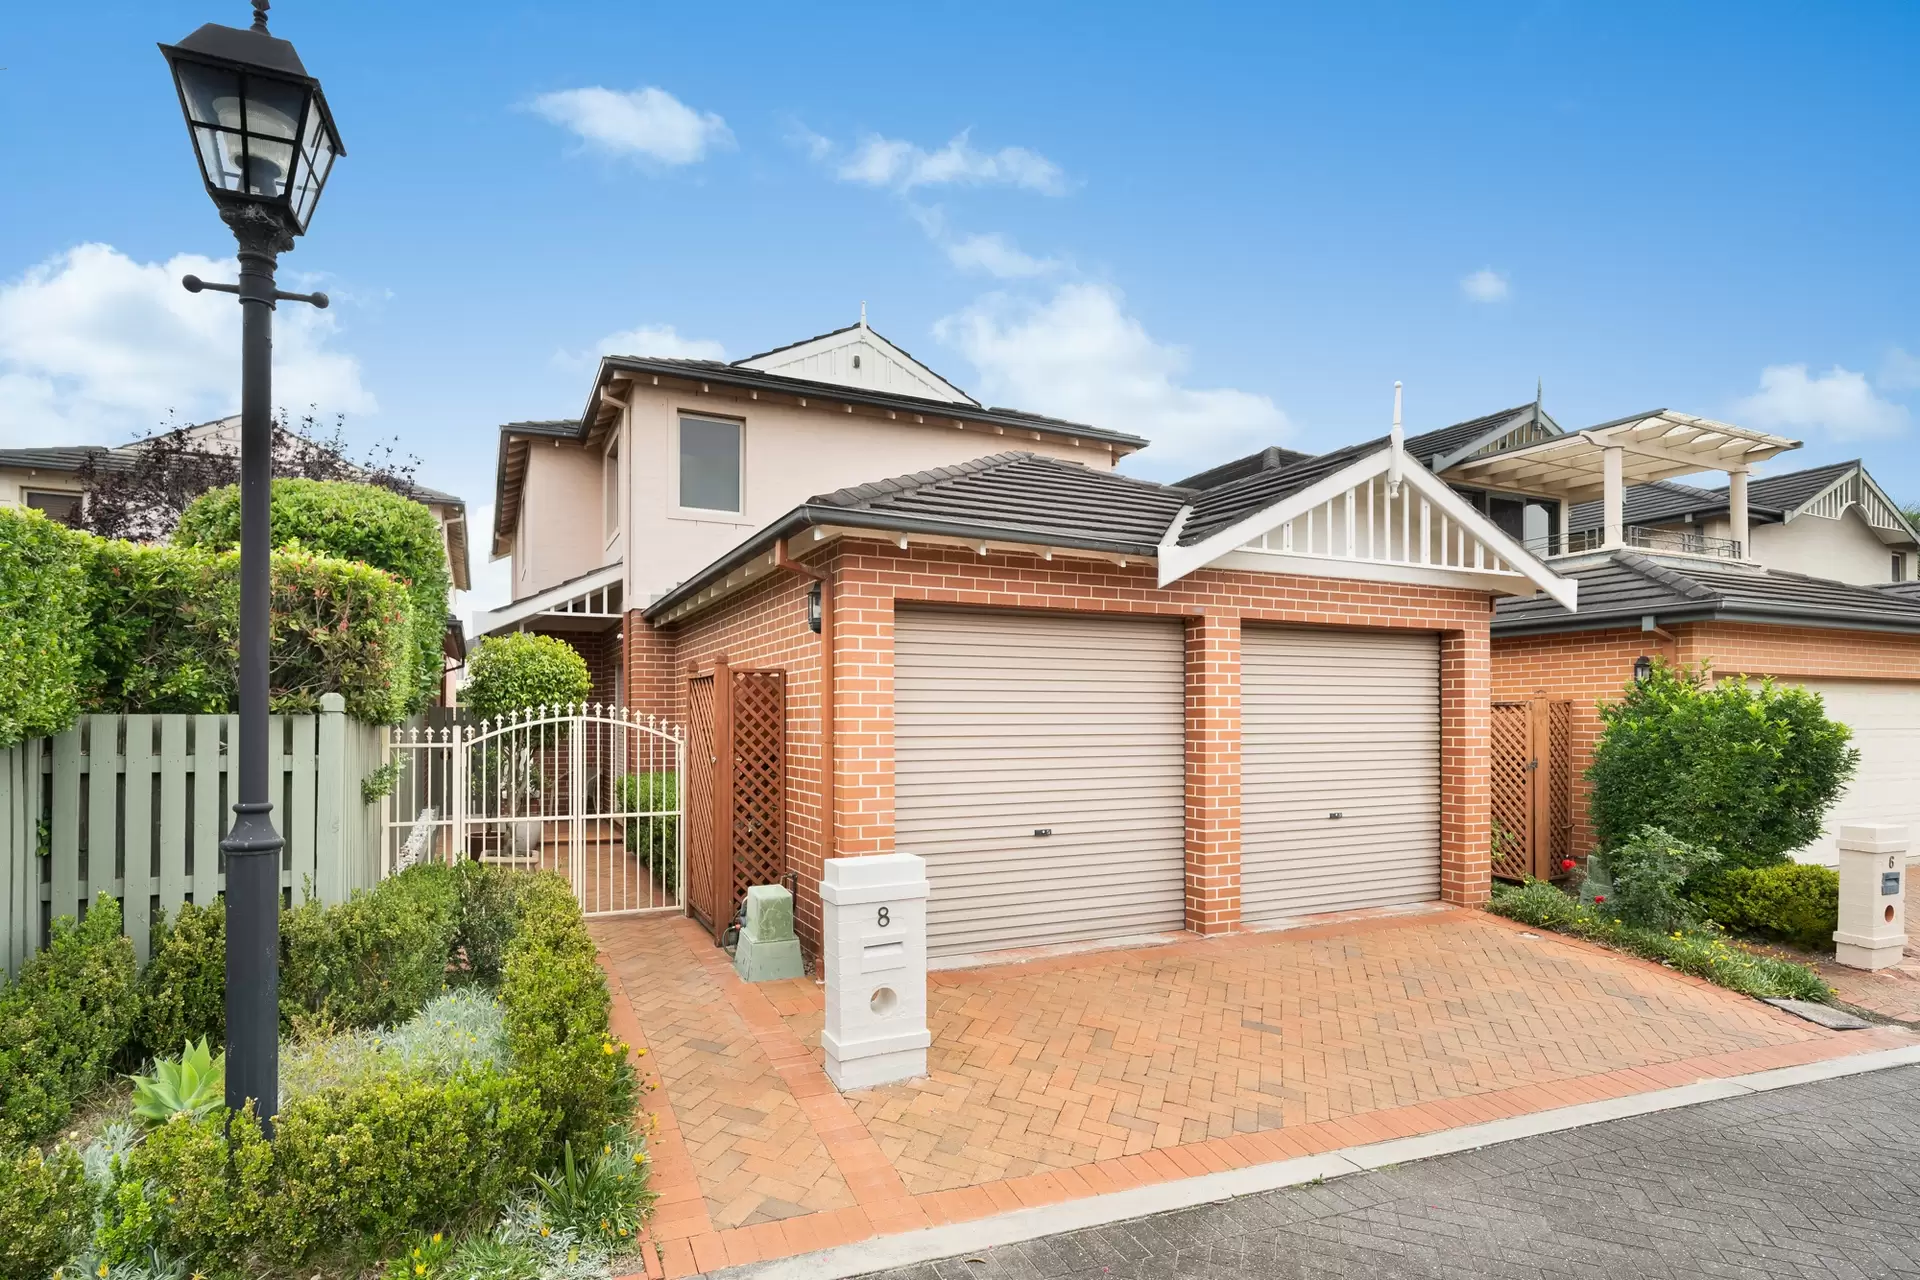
[
  {"x": 1599, "y": 897},
  {"x": 1566, "y": 864}
]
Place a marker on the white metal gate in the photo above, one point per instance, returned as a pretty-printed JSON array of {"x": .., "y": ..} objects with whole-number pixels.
[{"x": 591, "y": 792}]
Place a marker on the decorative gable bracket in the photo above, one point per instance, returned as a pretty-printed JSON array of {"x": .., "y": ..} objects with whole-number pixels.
[{"x": 1352, "y": 525}]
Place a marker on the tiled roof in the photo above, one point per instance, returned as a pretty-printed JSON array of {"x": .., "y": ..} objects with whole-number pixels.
[
  {"x": 1271, "y": 458},
  {"x": 1627, "y": 587}
]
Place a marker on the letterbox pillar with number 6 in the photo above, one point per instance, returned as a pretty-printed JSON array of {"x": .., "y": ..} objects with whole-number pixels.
[
  {"x": 874, "y": 918},
  {"x": 1873, "y": 895}
]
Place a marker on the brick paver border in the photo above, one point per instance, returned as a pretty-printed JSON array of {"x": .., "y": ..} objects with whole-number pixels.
[{"x": 685, "y": 1242}]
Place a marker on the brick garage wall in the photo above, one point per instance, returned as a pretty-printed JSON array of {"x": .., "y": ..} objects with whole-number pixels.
[
  {"x": 1591, "y": 667},
  {"x": 766, "y": 626}
]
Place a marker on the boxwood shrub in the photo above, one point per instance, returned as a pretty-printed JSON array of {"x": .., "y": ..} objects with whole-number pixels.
[
  {"x": 1792, "y": 903},
  {"x": 64, "y": 1022},
  {"x": 370, "y": 961},
  {"x": 347, "y": 521},
  {"x": 45, "y": 1208},
  {"x": 514, "y": 672},
  {"x": 43, "y": 625},
  {"x": 183, "y": 989}
]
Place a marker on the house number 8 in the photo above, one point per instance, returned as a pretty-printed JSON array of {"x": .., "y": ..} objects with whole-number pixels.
[{"x": 884, "y": 918}]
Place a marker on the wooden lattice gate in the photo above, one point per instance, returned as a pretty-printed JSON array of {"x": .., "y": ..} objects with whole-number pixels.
[
  {"x": 736, "y": 788},
  {"x": 1532, "y": 787}
]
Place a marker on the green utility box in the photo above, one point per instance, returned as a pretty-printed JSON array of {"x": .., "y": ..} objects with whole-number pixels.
[{"x": 767, "y": 950}]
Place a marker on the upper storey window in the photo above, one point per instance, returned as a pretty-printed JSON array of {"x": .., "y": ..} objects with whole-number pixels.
[{"x": 709, "y": 464}]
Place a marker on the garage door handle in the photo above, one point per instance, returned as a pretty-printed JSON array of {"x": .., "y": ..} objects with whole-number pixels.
[
  {"x": 1337, "y": 815},
  {"x": 1043, "y": 831}
]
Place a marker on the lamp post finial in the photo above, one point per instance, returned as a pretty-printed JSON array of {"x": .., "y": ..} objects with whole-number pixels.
[{"x": 260, "y": 15}]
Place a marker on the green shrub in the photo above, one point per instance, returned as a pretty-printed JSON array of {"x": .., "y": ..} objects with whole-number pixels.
[
  {"x": 654, "y": 840},
  {"x": 163, "y": 623},
  {"x": 1794, "y": 903},
  {"x": 347, "y": 521},
  {"x": 1704, "y": 953},
  {"x": 43, "y": 633},
  {"x": 522, "y": 670},
  {"x": 46, "y": 1210},
  {"x": 373, "y": 960},
  {"x": 217, "y": 1176},
  {"x": 489, "y": 906},
  {"x": 64, "y": 1022},
  {"x": 1749, "y": 771},
  {"x": 557, "y": 1024},
  {"x": 1646, "y": 874},
  {"x": 183, "y": 989}
]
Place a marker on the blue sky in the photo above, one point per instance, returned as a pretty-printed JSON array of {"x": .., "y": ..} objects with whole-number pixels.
[{"x": 1219, "y": 226}]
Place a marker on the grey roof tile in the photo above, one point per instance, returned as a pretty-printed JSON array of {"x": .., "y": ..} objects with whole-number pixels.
[
  {"x": 1629, "y": 586},
  {"x": 1271, "y": 458}
]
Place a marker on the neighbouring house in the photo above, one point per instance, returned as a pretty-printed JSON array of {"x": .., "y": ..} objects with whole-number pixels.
[
  {"x": 1832, "y": 522},
  {"x": 51, "y": 479}
]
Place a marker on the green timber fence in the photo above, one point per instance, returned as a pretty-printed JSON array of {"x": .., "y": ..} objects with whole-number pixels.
[{"x": 134, "y": 806}]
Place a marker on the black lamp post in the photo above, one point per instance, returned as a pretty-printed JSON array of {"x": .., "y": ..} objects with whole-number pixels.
[{"x": 266, "y": 143}]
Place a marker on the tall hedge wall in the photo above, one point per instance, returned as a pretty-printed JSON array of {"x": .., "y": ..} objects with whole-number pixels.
[
  {"x": 92, "y": 624},
  {"x": 43, "y": 593},
  {"x": 350, "y": 522}
]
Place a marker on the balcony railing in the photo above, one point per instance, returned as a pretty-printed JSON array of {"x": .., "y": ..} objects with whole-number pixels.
[{"x": 1671, "y": 541}]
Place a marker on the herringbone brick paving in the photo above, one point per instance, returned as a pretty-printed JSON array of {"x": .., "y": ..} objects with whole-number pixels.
[
  {"x": 1820, "y": 1180},
  {"x": 1066, "y": 1077}
]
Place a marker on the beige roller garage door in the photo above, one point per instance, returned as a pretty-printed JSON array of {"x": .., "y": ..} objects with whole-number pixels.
[
  {"x": 1346, "y": 723},
  {"x": 1009, "y": 724},
  {"x": 1885, "y": 718}
]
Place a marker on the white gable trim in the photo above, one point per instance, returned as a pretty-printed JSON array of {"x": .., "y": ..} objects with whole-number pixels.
[
  {"x": 829, "y": 358},
  {"x": 1856, "y": 488},
  {"x": 1345, "y": 526}
]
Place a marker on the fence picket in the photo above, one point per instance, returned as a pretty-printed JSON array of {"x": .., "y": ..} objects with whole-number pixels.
[
  {"x": 99, "y": 873},
  {"x": 331, "y": 875},
  {"x": 66, "y": 823},
  {"x": 137, "y": 834},
  {"x": 207, "y": 791},
  {"x": 302, "y": 817},
  {"x": 174, "y": 884}
]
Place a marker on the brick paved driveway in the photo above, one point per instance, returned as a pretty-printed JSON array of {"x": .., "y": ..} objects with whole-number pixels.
[
  {"x": 1819, "y": 1180},
  {"x": 1065, "y": 1077}
]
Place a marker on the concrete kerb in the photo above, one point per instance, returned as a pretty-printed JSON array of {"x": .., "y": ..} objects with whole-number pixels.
[{"x": 929, "y": 1244}]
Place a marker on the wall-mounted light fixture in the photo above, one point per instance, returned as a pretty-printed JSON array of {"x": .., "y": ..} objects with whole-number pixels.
[
  {"x": 1642, "y": 669},
  {"x": 813, "y": 608}
]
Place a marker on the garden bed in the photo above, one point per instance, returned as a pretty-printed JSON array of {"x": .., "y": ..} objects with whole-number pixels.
[{"x": 453, "y": 1101}]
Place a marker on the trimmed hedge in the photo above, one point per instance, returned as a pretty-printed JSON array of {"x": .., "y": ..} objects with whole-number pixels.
[
  {"x": 43, "y": 631},
  {"x": 1704, "y": 953},
  {"x": 373, "y": 960},
  {"x": 63, "y": 1022},
  {"x": 522, "y": 670},
  {"x": 183, "y": 989},
  {"x": 347, "y": 521},
  {"x": 1793, "y": 903},
  {"x": 46, "y": 1209}
]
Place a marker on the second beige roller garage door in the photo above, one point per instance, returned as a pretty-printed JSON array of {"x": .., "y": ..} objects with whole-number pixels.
[
  {"x": 1339, "y": 770},
  {"x": 1039, "y": 769}
]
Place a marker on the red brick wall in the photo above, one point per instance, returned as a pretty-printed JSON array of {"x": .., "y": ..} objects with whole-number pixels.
[
  {"x": 1591, "y": 667},
  {"x": 601, "y": 650},
  {"x": 766, "y": 626}
]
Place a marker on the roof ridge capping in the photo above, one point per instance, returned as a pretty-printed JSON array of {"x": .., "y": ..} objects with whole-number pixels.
[{"x": 1665, "y": 576}]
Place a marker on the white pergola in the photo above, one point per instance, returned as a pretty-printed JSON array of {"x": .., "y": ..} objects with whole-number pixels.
[{"x": 1600, "y": 462}]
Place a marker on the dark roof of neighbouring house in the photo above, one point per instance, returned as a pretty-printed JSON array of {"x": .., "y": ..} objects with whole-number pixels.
[
  {"x": 1271, "y": 458},
  {"x": 1628, "y": 587},
  {"x": 1221, "y": 505},
  {"x": 1904, "y": 590},
  {"x": 1769, "y": 498},
  {"x": 1009, "y": 497}
]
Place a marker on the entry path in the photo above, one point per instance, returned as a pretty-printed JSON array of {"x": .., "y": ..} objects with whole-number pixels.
[
  {"x": 1816, "y": 1180},
  {"x": 1070, "y": 1077}
]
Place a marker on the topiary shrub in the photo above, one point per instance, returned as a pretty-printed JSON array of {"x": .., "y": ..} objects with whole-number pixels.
[
  {"x": 183, "y": 989},
  {"x": 347, "y": 521},
  {"x": 1793, "y": 903},
  {"x": 43, "y": 632},
  {"x": 64, "y": 1022},
  {"x": 46, "y": 1210},
  {"x": 163, "y": 624},
  {"x": 489, "y": 906},
  {"x": 1643, "y": 880},
  {"x": 1750, "y": 771},
  {"x": 557, "y": 1018},
  {"x": 370, "y": 961},
  {"x": 515, "y": 672}
]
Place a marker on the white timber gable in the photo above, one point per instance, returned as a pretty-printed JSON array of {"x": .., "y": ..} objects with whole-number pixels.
[
  {"x": 1384, "y": 518},
  {"x": 858, "y": 357}
]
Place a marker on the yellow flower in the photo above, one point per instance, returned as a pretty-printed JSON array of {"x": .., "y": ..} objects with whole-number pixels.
[
  {"x": 606, "y": 1049},
  {"x": 102, "y": 1271},
  {"x": 545, "y": 1230},
  {"x": 623, "y": 1233},
  {"x": 607, "y": 1150},
  {"x": 603, "y": 1224},
  {"x": 436, "y": 1237},
  {"x": 419, "y": 1268},
  {"x": 639, "y": 1157}
]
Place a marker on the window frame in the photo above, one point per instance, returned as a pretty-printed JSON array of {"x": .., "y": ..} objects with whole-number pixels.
[{"x": 683, "y": 510}]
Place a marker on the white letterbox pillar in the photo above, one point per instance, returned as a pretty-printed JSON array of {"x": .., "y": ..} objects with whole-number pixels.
[
  {"x": 874, "y": 916},
  {"x": 1873, "y": 895}
]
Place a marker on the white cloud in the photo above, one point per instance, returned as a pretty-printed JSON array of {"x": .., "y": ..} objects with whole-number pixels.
[
  {"x": 647, "y": 340},
  {"x": 1079, "y": 355},
  {"x": 96, "y": 348},
  {"x": 1839, "y": 402},
  {"x": 1485, "y": 285},
  {"x": 646, "y": 122},
  {"x": 1900, "y": 371},
  {"x": 890, "y": 162},
  {"x": 990, "y": 252}
]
